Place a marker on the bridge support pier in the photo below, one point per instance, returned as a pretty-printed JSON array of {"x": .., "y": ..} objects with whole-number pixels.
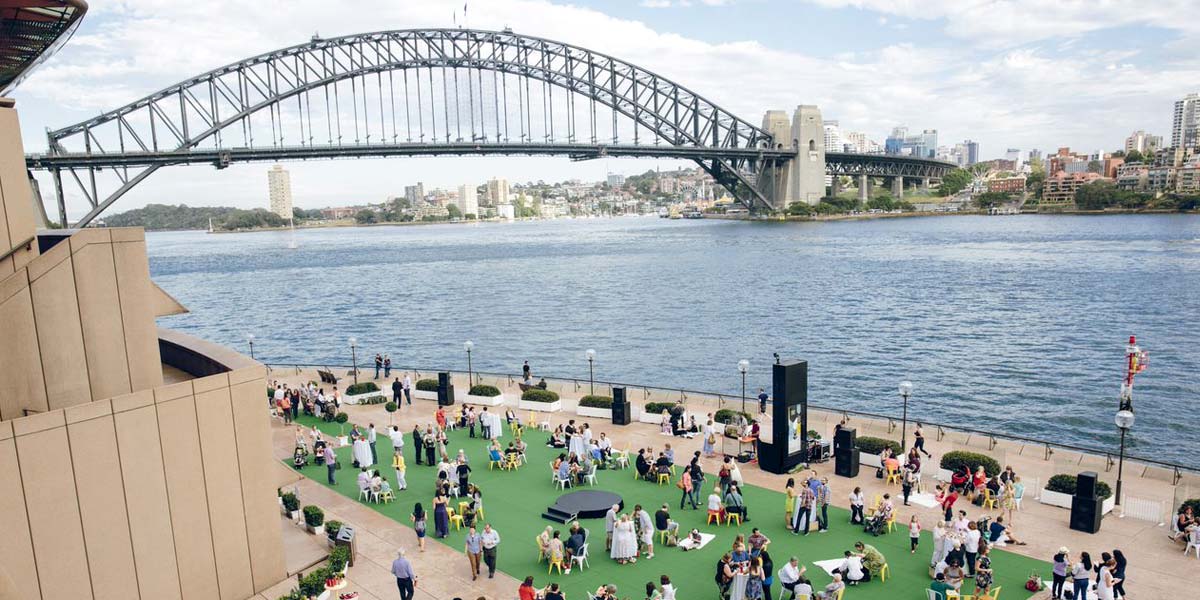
[
  {"x": 835, "y": 186},
  {"x": 897, "y": 187},
  {"x": 924, "y": 185},
  {"x": 864, "y": 187}
]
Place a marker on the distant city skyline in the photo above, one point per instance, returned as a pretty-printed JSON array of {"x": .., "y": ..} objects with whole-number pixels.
[{"x": 1017, "y": 74}]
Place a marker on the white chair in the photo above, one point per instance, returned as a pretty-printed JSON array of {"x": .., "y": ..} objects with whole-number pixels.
[
  {"x": 590, "y": 477},
  {"x": 560, "y": 482},
  {"x": 364, "y": 493},
  {"x": 934, "y": 595},
  {"x": 1193, "y": 542},
  {"x": 581, "y": 559}
]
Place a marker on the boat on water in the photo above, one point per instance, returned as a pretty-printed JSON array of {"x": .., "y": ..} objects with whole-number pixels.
[
  {"x": 693, "y": 214},
  {"x": 663, "y": 212}
]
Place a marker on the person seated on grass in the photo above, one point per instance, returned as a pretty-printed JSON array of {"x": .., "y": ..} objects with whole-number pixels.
[
  {"x": 852, "y": 570},
  {"x": 1000, "y": 534},
  {"x": 940, "y": 586},
  {"x": 558, "y": 439},
  {"x": 734, "y": 503},
  {"x": 831, "y": 591},
  {"x": 692, "y": 541}
]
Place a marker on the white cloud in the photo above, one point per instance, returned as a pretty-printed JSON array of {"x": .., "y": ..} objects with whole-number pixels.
[
  {"x": 1026, "y": 97},
  {"x": 656, "y": 3}
]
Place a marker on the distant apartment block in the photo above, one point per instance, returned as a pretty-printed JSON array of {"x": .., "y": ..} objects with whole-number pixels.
[
  {"x": 1061, "y": 187},
  {"x": 279, "y": 183},
  {"x": 1142, "y": 142},
  {"x": 468, "y": 200},
  {"x": 1185, "y": 127},
  {"x": 1007, "y": 185}
]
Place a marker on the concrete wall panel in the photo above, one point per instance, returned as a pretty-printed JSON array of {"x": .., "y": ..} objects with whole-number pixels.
[
  {"x": 218, "y": 444},
  {"x": 16, "y": 553},
  {"x": 54, "y": 523},
  {"x": 21, "y": 383},
  {"x": 146, "y": 496},
  {"x": 14, "y": 183},
  {"x": 256, "y": 463},
  {"x": 102, "y": 501},
  {"x": 100, "y": 314},
  {"x": 60, "y": 336},
  {"x": 137, "y": 308},
  {"x": 189, "y": 502}
]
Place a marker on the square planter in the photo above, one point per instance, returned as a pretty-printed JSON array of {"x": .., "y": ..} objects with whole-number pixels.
[
  {"x": 1062, "y": 500},
  {"x": 358, "y": 398},
  {"x": 485, "y": 400},
  {"x": 294, "y": 515},
  {"x": 655, "y": 418},
  {"x": 869, "y": 460},
  {"x": 314, "y": 530},
  {"x": 591, "y": 411},
  {"x": 540, "y": 406},
  {"x": 423, "y": 395}
]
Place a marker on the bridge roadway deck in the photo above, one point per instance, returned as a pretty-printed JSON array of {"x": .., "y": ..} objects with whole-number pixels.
[{"x": 1157, "y": 569}]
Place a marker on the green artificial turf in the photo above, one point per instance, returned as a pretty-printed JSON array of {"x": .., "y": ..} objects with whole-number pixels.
[{"x": 513, "y": 503}]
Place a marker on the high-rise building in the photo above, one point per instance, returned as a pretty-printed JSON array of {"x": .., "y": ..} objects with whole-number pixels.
[
  {"x": 1185, "y": 128},
  {"x": 1142, "y": 142},
  {"x": 280, "y": 190},
  {"x": 922, "y": 145},
  {"x": 972, "y": 154},
  {"x": 497, "y": 191},
  {"x": 468, "y": 202},
  {"x": 833, "y": 137},
  {"x": 415, "y": 194},
  {"x": 615, "y": 180},
  {"x": 1014, "y": 155}
]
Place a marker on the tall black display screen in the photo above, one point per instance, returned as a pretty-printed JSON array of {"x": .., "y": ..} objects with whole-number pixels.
[{"x": 783, "y": 446}]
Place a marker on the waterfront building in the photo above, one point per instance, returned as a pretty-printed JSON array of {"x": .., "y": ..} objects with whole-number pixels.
[
  {"x": 468, "y": 201},
  {"x": 279, "y": 185},
  {"x": 415, "y": 194},
  {"x": 1132, "y": 176},
  {"x": 431, "y": 210},
  {"x": 922, "y": 145},
  {"x": 1185, "y": 127},
  {"x": 498, "y": 192},
  {"x": 1142, "y": 142},
  {"x": 1110, "y": 164},
  {"x": 1008, "y": 185},
  {"x": 1160, "y": 178},
  {"x": 1066, "y": 161},
  {"x": 506, "y": 211},
  {"x": 1060, "y": 188},
  {"x": 1187, "y": 178},
  {"x": 615, "y": 180}
]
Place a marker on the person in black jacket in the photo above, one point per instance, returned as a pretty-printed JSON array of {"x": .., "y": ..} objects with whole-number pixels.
[{"x": 417, "y": 445}]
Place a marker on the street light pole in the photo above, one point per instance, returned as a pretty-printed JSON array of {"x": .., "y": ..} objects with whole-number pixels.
[
  {"x": 470, "y": 375},
  {"x": 743, "y": 366},
  {"x": 905, "y": 392},
  {"x": 250, "y": 338},
  {"x": 591, "y": 356},
  {"x": 1135, "y": 362},
  {"x": 354, "y": 358}
]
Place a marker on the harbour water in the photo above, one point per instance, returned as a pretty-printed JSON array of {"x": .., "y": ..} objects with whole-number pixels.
[{"x": 1013, "y": 324}]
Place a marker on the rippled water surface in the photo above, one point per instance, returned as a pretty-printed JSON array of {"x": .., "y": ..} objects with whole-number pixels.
[{"x": 1008, "y": 323}]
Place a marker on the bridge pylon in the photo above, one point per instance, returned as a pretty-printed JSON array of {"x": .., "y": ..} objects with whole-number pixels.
[{"x": 801, "y": 179}]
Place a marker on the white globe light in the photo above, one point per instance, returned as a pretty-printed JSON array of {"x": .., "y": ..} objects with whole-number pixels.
[
  {"x": 743, "y": 365},
  {"x": 1124, "y": 419},
  {"x": 353, "y": 341},
  {"x": 591, "y": 354},
  {"x": 468, "y": 345},
  {"x": 905, "y": 388},
  {"x": 250, "y": 337}
]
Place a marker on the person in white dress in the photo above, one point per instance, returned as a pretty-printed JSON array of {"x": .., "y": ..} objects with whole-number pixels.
[
  {"x": 625, "y": 545},
  {"x": 1105, "y": 580},
  {"x": 577, "y": 445},
  {"x": 362, "y": 452}
]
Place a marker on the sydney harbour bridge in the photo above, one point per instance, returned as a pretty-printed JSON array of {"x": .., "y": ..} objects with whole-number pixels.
[{"x": 431, "y": 92}]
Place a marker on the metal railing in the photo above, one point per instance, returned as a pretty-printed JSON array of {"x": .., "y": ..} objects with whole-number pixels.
[{"x": 683, "y": 394}]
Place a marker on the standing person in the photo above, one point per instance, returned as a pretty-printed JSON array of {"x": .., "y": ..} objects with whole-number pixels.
[
  {"x": 754, "y": 583},
  {"x": 1118, "y": 571},
  {"x": 464, "y": 472},
  {"x": 418, "y": 443},
  {"x": 914, "y": 534},
  {"x": 526, "y": 373},
  {"x": 1062, "y": 565},
  {"x": 685, "y": 484},
  {"x": 407, "y": 384},
  {"x": 397, "y": 392},
  {"x": 762, "y": 400},
  {"x": 804, "y": 508},
  {"x": 330, "y": 462},
  {"x": 398, "y": 466},
  {"x": 710, "y": 439},
  {"x": 1081, "y": 576},
  {"x": 387, "y": 366},
  {"x": 490, "y": 540},
  {"x": 610, "y": 520},
  {"x": 378, "y": 364},
  {"x": 406, "y": 580},
  {"x": 697, "y": 480},
  {"x": 822, "y": 499},
  {"x": 789, "y": 500},
  {"x": 625, "y": 543},
  {"x": 983, "y": 573},
  {"x": 907, "y": 479},
  {"x": 473, "y": 547},
  {"x": 646, "y": 528},
  {"x": 441, "y": 518},
  {"x": 1106, "y": 581},
  {"x": 371, "y": 437},
  {"x": 418, "y": 518},
  {"x": 971, "y": 546},
  {"x": 397, "y": 438},
  {"x": 919, "y": 441}
]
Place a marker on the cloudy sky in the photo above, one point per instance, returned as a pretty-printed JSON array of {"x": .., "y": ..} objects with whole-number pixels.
[{"x": 1006, "y": 73}]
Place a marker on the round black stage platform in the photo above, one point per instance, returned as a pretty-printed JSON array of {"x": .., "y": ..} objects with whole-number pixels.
[{"x": 584, "y": 504}]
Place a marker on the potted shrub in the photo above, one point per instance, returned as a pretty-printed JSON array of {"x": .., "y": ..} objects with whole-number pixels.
[
  {"x": 487, "y": 395},
  {"x": 291, "y": 506},
  {"x": 314, "y": 517},
  {"x": 292, "y": 595},
  {"x": 339, "y": 560},
  {"x": 391, "y": 408},
  {"x": 870, "y": 447},
  {"x": 594, "y": 406},
  {"x": 728, "y": 416},
  {"x": 1061, "y": 488},
  {"x": 342, "y": 418},
  {"x": 540, "y": 400},
  {"x": 331, "y": 531},
  {"x": 426, "y": 389},
  {"x": 312, "y": 585},
  {"x": 652, "y": 412},
  {"x": 358, "y": 392},
  {"x": 955, "y": 460}
]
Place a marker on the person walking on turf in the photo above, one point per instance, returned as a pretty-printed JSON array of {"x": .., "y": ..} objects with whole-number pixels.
[
  {"x": 473, "y": 547},
  {"x": 490, "y": 540}
]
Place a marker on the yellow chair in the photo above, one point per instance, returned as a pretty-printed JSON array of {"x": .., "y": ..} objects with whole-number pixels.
[
  {"x": 478, "y": 513},
  {"x": 992, "y": 595},
  {"x": 456, "y": 519},
  {"x": 541, "y": 552},
  {"x": 662, "y": 537},
  {"x": 729, "y": 517},
  {"x": 512, "y": 461},
  {"x": 555, "y": 562},
  {"x": 664, "y": 479},
  {"x": 840, "y": 592},
  {"x": 492, "y": 464},
  {"x": 875, "y": 505},
  {"x": 462, "y": 507},
  {"x": 386, "y": 497},
  {"x": 893, "y": 476},
  {"x": 713, "y": 516},
  {"x": 884, "y": 572},
  {"x": 891, "y": 523},
  {"x": 989, "y": 501}
]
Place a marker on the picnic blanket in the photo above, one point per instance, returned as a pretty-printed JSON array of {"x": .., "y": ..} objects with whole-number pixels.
[
  {"x": 829, "y": 565},
  {"x": 705, "y": 538}
]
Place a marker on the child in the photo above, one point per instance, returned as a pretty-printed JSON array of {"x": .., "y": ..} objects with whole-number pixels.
[{"x": 914, "y": 534}]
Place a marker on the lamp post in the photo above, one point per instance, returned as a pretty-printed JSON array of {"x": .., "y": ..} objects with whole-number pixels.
[
  {"x": 1135, "y": 362},
  {"x": 905, "y": 392},
  {"x": 470, "y": 376},
  {"x": 250, "y": 339},
  {"x": 591, "y": 356},
  {"x": 354, "y": 358},
  {"x": 743, "y": 366},
  {"x": 1124, "y": 420}
]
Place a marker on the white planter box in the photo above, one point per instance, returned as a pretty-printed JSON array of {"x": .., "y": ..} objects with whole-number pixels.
[
  {"x": 483, "y": 400},
  {"x": 540, "y": 406},
  {"x": 591, "y": 411},
  {"x": 358, "y": 398},
  {"x": 1062, "y": 500},
  {"x": 325, "y": 595},
  {"x": 656, "y": 418},
  {"x": 422, "y": 395},
  {"x": 295, "y": 515},
  {"x": 869, "y": 460}
]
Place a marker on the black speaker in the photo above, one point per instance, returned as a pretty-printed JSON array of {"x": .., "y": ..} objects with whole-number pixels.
[
  {"x": 845, "y": 454},
  {"x": 1085, "y": 484},
  {"x": 1086, "y": 513},
  {"x": 620, "y": 407},
  {"x": 844, "y": 438},
  {"x": 445, "y": 390}
]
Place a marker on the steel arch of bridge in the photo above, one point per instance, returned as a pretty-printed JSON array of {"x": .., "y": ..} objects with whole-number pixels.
[{"x": 201, "y": 119}]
